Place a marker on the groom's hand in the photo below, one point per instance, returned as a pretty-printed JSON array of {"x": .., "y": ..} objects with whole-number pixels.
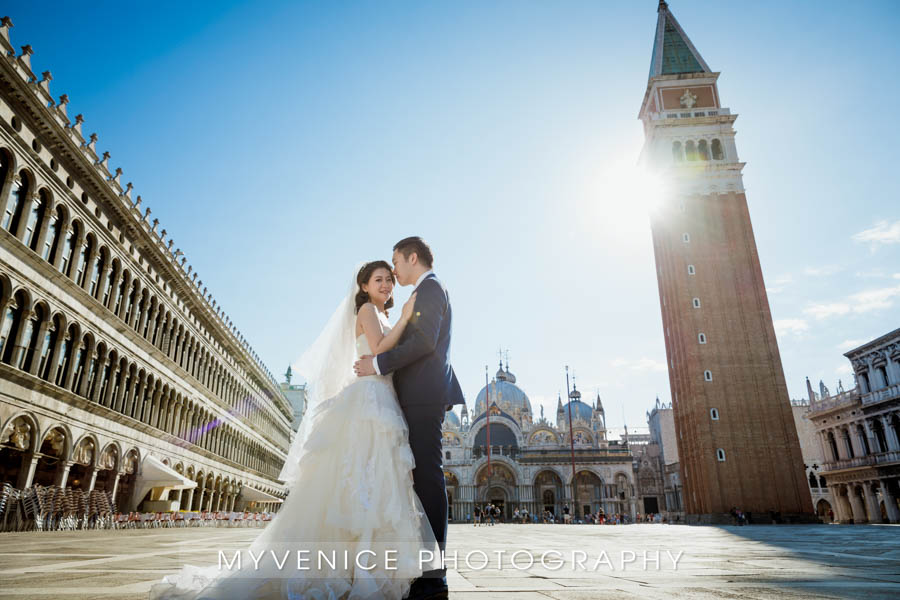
[{"x": 364, "y": 366}]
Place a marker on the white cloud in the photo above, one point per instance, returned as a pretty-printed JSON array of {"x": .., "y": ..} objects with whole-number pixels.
[
  {"x": 641, "y": 364},
  {"x": 823, "y": 311},
  {"x": 850, "y": 345},
  {"x": 875, "y": 299},
  {"x": 779, "y": 284},
  {"x": 844, "y": 369},
  {"x": 785, "y": 327},
  {"x": 882, "y": 233},
  {"x": 823, "y": 270},
  {"x": 858, "y": 303}
]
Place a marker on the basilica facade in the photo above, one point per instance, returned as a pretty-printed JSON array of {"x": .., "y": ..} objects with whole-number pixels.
[
  {"x": 531, "y": 458},
  {"x": 119, "y": 371}
]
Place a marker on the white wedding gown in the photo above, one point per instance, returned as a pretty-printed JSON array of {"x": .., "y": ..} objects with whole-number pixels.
[{"x": 354, "y": 493}]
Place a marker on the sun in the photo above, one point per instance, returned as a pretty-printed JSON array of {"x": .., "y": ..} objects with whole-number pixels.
[{"x": 626, "y": 195}]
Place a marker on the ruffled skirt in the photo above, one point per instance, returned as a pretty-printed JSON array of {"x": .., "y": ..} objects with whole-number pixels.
[{"x": 352, "y": 526}]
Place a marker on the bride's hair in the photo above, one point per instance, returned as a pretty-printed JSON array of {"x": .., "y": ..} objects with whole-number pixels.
[{"x": 363, "y": 277}]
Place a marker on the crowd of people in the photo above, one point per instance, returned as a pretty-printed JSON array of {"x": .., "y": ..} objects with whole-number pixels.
[{"x": 489, "y": 514}]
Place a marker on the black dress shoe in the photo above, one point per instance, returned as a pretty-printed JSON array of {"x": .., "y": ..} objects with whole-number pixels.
[{"x": 434, "y": 589}]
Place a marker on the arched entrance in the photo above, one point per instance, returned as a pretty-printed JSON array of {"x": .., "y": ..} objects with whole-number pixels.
[
  {"x": 82, "y": 464},
  {"x": 50, "y": 466},
  {"x": 16, "y": 445},
  {"x": 107, "y": 467},
  {"x": 498, "y": 488},
  {"x": 589, "y": 493},
  {"x": 824, "y": 511},
  {"x": 548, "y": 490},
  {"x": 125, "y": 488}
]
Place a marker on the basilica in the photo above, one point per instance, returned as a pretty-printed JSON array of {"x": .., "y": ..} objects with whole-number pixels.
[{"x": 501, "y": 453}]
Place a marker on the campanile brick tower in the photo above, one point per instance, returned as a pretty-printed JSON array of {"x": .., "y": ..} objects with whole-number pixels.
[{"x": 737, "y": 441}]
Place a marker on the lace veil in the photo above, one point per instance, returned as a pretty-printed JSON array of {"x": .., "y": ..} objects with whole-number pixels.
[{"x": 327, "y": 366}]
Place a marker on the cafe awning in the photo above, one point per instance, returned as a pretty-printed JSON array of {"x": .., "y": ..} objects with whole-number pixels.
[{"x": 255, "y": 495}]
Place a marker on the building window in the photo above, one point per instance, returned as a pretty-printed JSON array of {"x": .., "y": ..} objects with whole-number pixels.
[
  {"x": 882, "y": 374},
  {"x": 676, "y": 152},
  {"x": 701, "y": 338},
  {"x": 696, "y": 302},
  {"x": 714, "y": 414},
  {"x": 447, "y": 455},
  {"x": 720, "y": 455},
  {"x": 686, "y": 238},
  {"x": 717, "y": 153},
  {"x": 692, "y": 270},
  {"x": 707, "y": 375}
]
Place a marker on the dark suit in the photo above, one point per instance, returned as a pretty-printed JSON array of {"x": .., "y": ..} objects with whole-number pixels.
[{"x": 426, "y": 388}]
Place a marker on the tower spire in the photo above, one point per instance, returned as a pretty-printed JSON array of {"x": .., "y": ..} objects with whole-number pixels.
[{"x": 673, "y": 51}]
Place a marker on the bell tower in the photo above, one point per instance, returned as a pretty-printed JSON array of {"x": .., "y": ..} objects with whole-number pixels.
[{"x": 737, "y": 441}]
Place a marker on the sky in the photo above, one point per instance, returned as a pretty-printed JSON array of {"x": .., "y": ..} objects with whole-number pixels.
[{"x": 280, "y": 143}]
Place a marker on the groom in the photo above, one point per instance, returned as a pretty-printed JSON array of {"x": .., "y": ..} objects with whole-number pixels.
[{"x": 426, "y": 387}]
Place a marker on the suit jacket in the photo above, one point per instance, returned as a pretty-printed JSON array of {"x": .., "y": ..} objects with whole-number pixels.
[{"x": 420, "y": 362}]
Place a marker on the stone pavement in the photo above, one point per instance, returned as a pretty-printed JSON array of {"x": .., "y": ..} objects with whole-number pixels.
[{"x": 759, "y": 561}]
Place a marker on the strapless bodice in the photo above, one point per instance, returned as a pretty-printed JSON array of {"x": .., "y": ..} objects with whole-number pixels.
[{"x": 362, "y": 342}]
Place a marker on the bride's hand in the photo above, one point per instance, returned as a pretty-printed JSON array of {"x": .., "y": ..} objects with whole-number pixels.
[{"x": 406, "y": 315}]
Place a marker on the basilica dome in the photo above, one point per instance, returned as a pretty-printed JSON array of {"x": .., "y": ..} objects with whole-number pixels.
[
  {"x": 451, "y": 419},
  {"x": 505, "y": 394},
  {"x": 580, "y": 410}
]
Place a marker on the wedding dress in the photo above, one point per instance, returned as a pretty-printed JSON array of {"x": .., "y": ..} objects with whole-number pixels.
[{"x": 352, "y": 500}]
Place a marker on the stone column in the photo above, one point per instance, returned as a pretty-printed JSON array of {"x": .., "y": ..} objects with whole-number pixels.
[
  {"x": 189, "y": 500},
  {"x": 111, "y": 384},
  {"x": 889, "y": 434},
  {"x": 155, "y": 401},
  {"x": 859, "y": 512},
  {"x": 119, "y": 405},
  {"x": 134, "y": 398},
  {"x": 20, "y": 343},
  {"x": 90, "y": 359},
  {"x": 92, "y": 478},
  {"x": 26, "y": 471},
  {"x": 890, "y": 502},
  {"x": 101, "y": 370},
  {"x": 36, "y": 357},
  {"x": 115, "y": 489},
  {"x": 62, "y": 472},
  {"x": 103, "y": 282},
  {"x": 89, "y": 266},
  {"x": 871, "y": 503},
  {"x": 61, "y": 336},
  {"x": 45, "y": 225},
  {"x": 76, "y": 345},
  {"x": 870, "y": 434},
  {"x": 838, "y": 504},
  {"x": 5, "y": 189}
]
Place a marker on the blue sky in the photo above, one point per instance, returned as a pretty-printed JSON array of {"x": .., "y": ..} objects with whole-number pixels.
[{"x": 281, "y": 142}]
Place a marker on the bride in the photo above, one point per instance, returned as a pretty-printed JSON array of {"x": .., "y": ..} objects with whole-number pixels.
[{"x": 352, "y": 527}]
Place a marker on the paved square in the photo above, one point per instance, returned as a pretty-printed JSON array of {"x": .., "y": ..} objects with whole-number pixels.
[{"x": 760, "y": 561}]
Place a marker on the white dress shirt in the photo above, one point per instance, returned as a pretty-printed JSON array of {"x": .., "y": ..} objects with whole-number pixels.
[{"x": 418, "y": 283}]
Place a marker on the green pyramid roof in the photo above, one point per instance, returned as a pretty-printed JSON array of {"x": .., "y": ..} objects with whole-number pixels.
[{"x": 673, "y": 51}]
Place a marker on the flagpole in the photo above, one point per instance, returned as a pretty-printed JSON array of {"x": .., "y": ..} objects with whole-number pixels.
[
  {"x": 572, "y": 449},
  {"x": 487, "y": 387}
]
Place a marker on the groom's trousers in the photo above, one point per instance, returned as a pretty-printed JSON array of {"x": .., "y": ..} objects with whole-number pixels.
[{"x": 424, "y": 421}]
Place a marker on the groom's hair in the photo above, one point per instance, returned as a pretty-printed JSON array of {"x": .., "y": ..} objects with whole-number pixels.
[{"x": 415, "y": 244}]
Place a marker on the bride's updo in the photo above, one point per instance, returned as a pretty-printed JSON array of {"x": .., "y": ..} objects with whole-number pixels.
[{"x": 364, "y": 275}]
